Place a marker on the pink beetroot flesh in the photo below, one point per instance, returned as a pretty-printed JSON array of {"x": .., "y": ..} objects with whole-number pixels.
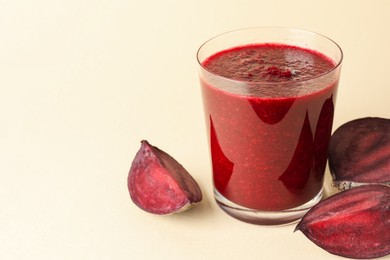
[
  {"x": 159, "y": 184},
  {"x": 354, "y": 223},
  {"x": 359, "y": 152}
]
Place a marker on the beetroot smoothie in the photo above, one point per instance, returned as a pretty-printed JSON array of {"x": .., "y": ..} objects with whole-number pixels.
[{"x": 269, "y": 144}]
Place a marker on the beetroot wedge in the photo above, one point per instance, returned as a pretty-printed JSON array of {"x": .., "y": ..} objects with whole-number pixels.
[
  {"x": 354, "y": 223},
  {"x": 359, "y": 153},
  {"x": 158, "y": 184}
]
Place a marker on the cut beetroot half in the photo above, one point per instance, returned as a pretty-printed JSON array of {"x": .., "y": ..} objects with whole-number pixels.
[
  {"x": 158, "y": 184},
  {"x": 359, "y": 153},
  {"x": 354, "y": 223}
]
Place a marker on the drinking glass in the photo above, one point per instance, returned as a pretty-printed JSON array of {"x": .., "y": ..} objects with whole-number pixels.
[{"x": 268, "y": 138}]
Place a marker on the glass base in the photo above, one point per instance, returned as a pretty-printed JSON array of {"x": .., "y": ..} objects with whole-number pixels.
[{"x": 265, "y": 217}]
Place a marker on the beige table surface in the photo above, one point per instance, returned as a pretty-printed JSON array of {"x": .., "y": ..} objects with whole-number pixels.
[{"x": 82, "y": 82}]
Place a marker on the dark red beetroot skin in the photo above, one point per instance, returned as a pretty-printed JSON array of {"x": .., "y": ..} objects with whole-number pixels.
[
  {"x": 359, "y": 153},
  {"x": 159, "y": 184},
  {"x": 354, "y": 223}
]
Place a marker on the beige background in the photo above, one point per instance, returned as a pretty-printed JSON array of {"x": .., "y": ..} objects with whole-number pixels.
[{"x": 82, "y": 82}]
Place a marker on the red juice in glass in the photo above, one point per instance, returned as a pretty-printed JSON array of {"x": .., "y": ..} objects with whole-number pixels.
[{"x": 269, "y": 110}]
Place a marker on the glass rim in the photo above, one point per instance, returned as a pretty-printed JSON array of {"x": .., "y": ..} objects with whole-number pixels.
[{"x": 335, "y": 67}]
